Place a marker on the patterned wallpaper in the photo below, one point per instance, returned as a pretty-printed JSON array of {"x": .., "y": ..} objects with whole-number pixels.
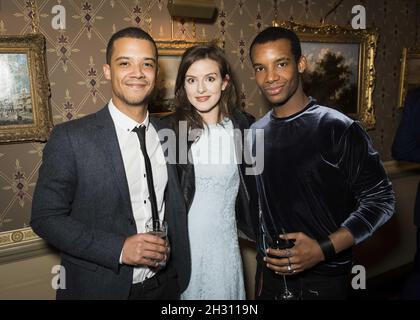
[{"x": 75, "y": 57}]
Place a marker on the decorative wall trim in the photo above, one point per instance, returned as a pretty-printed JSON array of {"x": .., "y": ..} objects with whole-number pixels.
[{"x": 30, "y": 249}]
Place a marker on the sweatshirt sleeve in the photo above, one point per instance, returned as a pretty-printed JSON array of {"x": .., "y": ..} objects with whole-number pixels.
[{"x": 368, "y": 181}]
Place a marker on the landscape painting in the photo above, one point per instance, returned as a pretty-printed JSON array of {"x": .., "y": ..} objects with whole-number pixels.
[{"x": 332, "y": 74}]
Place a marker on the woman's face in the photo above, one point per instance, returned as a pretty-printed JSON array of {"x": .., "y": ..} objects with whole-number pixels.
[{"x": 204, "y": 86}]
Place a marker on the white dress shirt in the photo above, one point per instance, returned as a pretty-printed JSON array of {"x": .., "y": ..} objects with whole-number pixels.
[{"x": 135, "y": 172}]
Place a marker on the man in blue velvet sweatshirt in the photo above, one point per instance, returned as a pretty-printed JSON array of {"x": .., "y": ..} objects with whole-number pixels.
[{"x": 323, "y": 186}]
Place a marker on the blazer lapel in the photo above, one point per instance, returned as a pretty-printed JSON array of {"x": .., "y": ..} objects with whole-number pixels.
[{"x": 107, "y": 138}]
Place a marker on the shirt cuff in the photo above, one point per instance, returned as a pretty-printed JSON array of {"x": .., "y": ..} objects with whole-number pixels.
[{"x": 121, "y": 256}]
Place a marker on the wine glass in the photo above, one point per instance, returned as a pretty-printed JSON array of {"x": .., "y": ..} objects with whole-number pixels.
[{"x": 284, "y": 243}]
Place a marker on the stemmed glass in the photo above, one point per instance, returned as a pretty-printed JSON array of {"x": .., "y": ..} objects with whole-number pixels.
[{"x": 284, "y": 243}]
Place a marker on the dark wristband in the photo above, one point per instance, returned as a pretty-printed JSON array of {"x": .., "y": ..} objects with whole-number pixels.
[{"x": 327, "y": 249}]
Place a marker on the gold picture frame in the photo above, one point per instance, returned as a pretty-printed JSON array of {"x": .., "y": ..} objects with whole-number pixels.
[
  {"x": 347, "y": 55},
  {"x": 410, "y": 73},
  {"x": 170, "y": 53},
  {"x": 25, "y": 113}
]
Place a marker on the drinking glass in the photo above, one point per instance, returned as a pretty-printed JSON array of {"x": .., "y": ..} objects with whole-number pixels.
[
  {"x": 158, "y": 228},
  {"x": 280, "y": 244}
]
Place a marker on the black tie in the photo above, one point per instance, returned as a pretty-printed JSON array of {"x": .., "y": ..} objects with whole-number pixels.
[{"x": 141, "y": 133}]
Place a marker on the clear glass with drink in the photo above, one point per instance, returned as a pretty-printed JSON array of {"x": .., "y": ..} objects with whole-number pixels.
[{"x": 159, "y": 228}]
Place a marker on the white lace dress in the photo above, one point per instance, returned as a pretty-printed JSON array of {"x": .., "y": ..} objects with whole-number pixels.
[{"x": 216, "y": 271}]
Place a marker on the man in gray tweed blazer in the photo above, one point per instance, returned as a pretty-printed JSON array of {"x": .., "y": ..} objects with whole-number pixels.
[{"x": 92, "y": 200}]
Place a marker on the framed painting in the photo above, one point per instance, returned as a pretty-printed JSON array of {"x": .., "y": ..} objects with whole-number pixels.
[
  {"x": 410, "y": 73},
  {"x": 170, "y": 54},
  {"x": 25, "y": 113},
  {"x": 341, "y": 70}
]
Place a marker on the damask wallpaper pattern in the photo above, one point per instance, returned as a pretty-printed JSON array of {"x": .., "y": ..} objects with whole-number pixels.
[{"x": 75, "y": 57}]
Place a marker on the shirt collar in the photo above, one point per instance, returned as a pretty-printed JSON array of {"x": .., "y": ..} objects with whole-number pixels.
[
  {"x": 312, "y": 102},
  {"x": 125, "y": 122}
]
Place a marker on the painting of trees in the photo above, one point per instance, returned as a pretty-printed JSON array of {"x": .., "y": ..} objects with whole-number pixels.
[{"x": 331, "y": 82}]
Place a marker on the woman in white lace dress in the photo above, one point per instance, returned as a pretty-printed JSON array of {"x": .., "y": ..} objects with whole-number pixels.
[{"x": 217, "y": 192}]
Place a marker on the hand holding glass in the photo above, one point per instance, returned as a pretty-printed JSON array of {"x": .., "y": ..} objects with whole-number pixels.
[
  {"x": 159, "y": 228},
  {"x": 281, "y": 244}
]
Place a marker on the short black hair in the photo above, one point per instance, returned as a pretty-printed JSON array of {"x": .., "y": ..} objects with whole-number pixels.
[
  {"x": 276, "y": 33},
  {"x": 130, "y": 32}
]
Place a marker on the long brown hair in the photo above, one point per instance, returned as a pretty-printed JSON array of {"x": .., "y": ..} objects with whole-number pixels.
[{"x": 184, "y": 110}]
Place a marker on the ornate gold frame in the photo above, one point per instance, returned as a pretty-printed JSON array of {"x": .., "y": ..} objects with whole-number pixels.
[
  {"x": 407, "y": 54},
  {"x": 367, "y": 40},
  {"x": 34, "y": 47},
  {"x": 175, "y": 48}
]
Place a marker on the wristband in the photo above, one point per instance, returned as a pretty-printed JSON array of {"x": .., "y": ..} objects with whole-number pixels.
[{"x": 327, "y": 248}]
